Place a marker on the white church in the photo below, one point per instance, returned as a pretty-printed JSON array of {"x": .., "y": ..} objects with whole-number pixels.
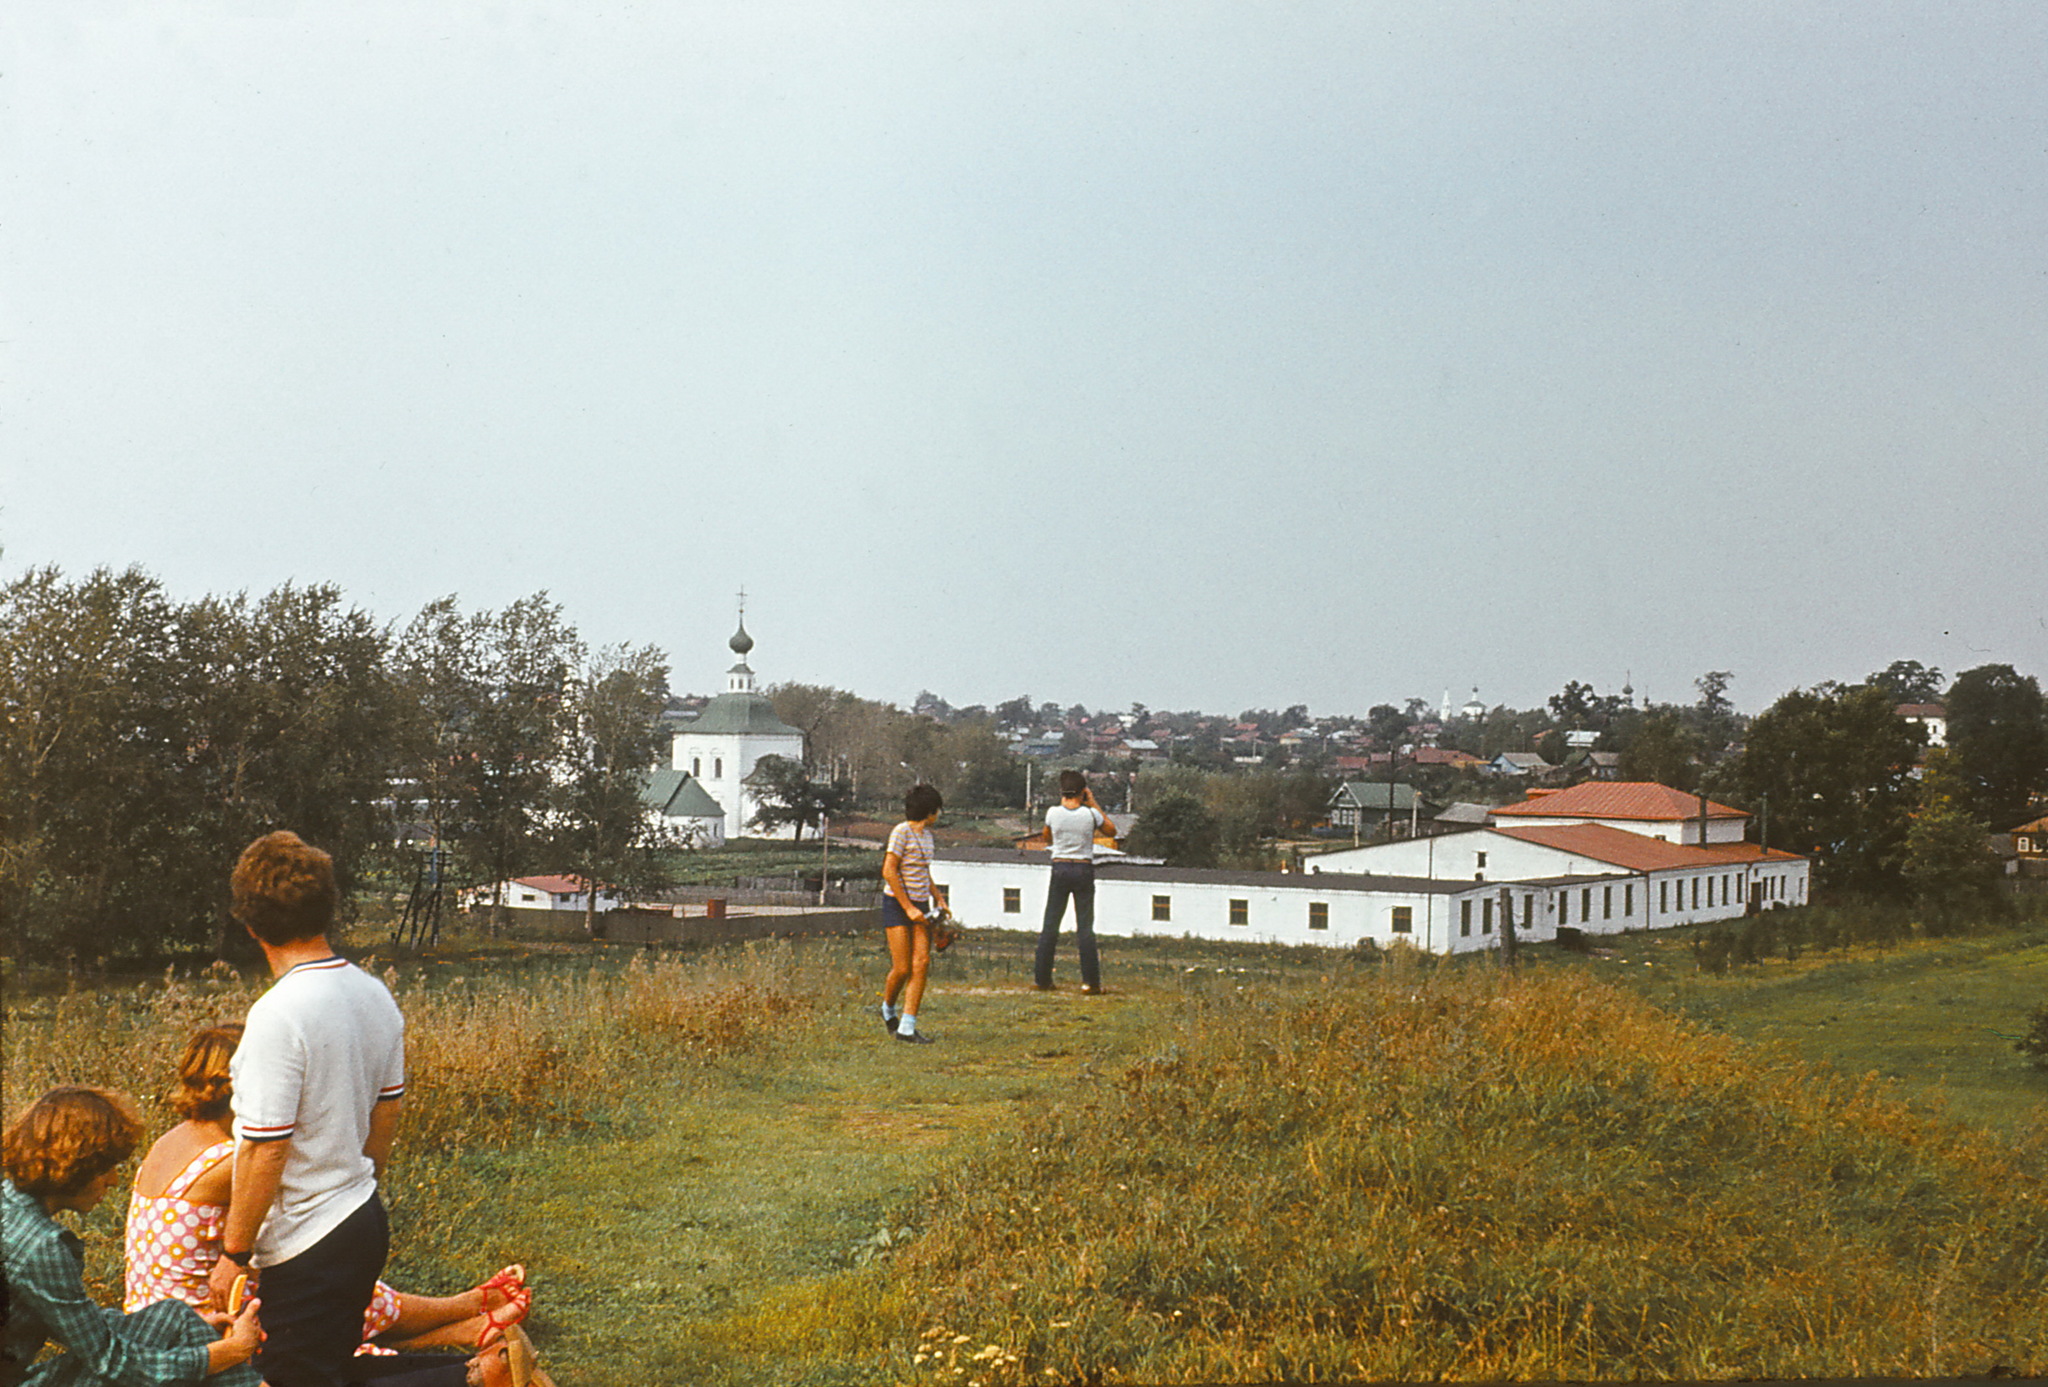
[{"x": 705, "y": 786}]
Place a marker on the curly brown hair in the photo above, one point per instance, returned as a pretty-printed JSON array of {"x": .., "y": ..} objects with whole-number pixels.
[
  {"x": 68, "y": 1138},
  {"x": 204, "y": 1092},
  {"x": 284, "y": 888}
]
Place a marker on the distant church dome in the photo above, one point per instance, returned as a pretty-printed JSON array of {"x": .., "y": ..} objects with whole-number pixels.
[{"x": 741, "y": 642}]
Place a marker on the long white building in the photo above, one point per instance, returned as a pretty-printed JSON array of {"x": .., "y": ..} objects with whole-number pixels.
[
  {"x": 1599, "y": 858},
  {"x": 1005, "y": 889},
  {"x": 1648, "y": 836}
]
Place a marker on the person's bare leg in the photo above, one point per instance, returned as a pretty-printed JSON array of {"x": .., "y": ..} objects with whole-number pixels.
[
  {"x": 455, "y": 1321},
  {"x": 419, "y": 1314},
  {"x": 453, "y": 1334},
  {"x": 920, "y": 964},
  {"x": 899, "y": 965}
]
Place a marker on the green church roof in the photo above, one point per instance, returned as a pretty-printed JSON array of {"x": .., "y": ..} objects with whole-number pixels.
[
  {"x": 751, "y": 713},
  {"x": 678, "y": 795}
]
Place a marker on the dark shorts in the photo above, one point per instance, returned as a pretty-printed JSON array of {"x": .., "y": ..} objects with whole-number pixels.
[{"x": 894, "y": 918}]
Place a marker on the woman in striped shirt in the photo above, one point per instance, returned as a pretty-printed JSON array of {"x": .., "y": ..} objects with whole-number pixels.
[{"x": 906, "y": 911}]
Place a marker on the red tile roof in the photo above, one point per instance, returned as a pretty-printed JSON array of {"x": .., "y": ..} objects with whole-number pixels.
[
  {"x": 1618, "y": 799},
  {"x": 1638, "y": 853},
  {"x": 553, "y": 885}
]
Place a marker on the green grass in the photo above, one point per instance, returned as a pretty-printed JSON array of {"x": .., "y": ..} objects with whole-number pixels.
[
  {"x": 1935, "y": 1016},
  {"x": 719, "y": 1169},
  {"x": 769, "y": 857}
]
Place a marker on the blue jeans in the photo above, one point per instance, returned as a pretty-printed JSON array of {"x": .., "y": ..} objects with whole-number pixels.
[{"x": 1070, "y": 881}]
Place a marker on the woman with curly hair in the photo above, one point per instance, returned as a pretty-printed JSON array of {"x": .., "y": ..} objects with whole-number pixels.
[
  {"x": 61, "y": 1154},
  {"x": 180, "y": 1204}
]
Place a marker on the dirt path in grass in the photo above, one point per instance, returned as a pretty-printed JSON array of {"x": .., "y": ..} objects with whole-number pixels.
[{"x": 784, "y": 1165}]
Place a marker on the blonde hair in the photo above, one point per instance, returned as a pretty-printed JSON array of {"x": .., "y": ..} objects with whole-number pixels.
[
  {"x": 68, "y": 1138},
  {"x": 205, "y": 1092}
]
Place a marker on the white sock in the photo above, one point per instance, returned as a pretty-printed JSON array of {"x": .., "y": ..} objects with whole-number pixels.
[
  {"x": 907, "y": 1026},
  {"x": 889, "y": 1012}
]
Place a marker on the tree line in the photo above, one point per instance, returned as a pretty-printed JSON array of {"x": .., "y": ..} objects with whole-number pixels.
[{"x": 146, "y": 740}]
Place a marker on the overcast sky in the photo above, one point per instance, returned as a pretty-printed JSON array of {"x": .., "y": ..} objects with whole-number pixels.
[{"x": 1210, "y": 355}]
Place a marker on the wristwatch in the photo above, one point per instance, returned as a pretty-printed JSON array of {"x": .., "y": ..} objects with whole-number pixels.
[{"x": 240, "y": 1259}]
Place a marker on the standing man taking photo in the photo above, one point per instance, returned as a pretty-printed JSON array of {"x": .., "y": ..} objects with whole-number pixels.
[{"x": 1071, "y": 826}]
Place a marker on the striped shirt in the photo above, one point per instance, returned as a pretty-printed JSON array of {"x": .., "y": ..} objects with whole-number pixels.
[{"x": 913, "y": 848}]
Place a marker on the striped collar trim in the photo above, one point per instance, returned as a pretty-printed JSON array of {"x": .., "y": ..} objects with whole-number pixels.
[{"x": 316, "y": 965}]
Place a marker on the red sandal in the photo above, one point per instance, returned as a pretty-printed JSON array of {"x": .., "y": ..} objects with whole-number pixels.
[
  {"x": 504, "y": 1317},
  {"x": 512, "y": 1278}
]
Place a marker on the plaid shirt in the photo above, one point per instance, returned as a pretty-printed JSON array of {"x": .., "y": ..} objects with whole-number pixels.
[{"x": 47, "y": 1303}]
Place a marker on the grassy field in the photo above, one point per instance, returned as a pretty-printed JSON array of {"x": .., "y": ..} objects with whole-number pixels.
[
  {"x": 1937, "y": 1017},
  {"x": 1240, "y": 1163}
]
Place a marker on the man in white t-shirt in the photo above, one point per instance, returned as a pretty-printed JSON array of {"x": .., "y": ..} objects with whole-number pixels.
[
  {"x": 1071, "y": 826},
  {"x": 319, "y": 1078}
]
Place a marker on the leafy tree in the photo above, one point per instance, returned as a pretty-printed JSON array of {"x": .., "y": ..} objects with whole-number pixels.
[
  {"x": 147, "y": 742},
  {"x": 1015, "y": 713},
  {"x": 1574, "y": 705},
  {"x": 1835, "y": 767},
  {"x": 493, "y": 726},
  {"x": 1663, "y": 749},
  {"x": 97, "y": 820},
  {"x": 298, "y": 723},
  {"x": 1908, "y": 681},
  {"x": 1179, "y": 828},
  {"x": 976, "y": 768},
  {"x": 603, "y": 831},
  {"x": 787, "y": 795},
  {"x": 1998, "y": 727},
  {"x": 1387, "y": 724},
  {"x": 1947, "y": 864},
  {"x": 1717, "y": 721}
]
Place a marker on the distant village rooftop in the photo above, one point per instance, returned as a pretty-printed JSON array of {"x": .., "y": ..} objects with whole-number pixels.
[{"x": 1616, "y": 799}]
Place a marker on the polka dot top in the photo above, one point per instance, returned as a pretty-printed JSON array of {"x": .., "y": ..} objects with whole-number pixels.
[{"x": 172, "y": 1242}]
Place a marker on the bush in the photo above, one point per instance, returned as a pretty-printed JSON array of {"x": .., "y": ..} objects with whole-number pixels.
[
  {"x": 2034, "y": 1044},
  {"x": 1711, "y": 951}
]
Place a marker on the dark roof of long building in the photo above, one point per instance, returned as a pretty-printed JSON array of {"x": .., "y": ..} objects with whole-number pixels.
[{"x": 1214, "y": 876}]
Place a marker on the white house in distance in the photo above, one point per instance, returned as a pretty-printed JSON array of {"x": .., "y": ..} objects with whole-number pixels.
[
  {"x": 1005, "y": 889},
  {"x": 736, "y": 729},
  {"x": 537, "y": 893},
  {"x": 1617, "y": 855},
  {"x": 1932, "y": 716}
]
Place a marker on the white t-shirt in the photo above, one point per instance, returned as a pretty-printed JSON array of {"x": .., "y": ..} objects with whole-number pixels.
[
  {"x": 321, "y": 1049},
  {"x": 1073, "y": 832}
]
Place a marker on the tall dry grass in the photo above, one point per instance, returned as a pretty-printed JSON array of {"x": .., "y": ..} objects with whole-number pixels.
[
  {"x": 1473, "y": 1174},
  {"x": 493, "y": 1060}
]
